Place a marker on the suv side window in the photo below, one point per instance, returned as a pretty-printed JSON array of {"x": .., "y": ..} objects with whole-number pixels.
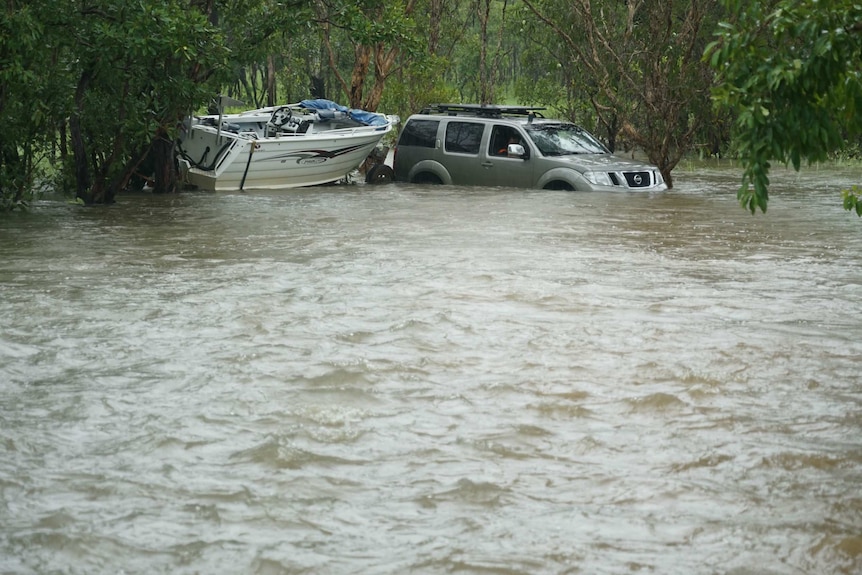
[
  {"x": 501, "y": 137},
  {"x": 464, "y": 137},
  {"x": 419, "y": 133}
]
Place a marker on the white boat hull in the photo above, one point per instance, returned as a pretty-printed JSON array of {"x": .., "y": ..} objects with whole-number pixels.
[{"x": 246, "y": 158}]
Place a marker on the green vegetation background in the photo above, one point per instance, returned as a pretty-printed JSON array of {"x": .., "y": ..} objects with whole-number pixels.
[{"x": 92, "y": 92}]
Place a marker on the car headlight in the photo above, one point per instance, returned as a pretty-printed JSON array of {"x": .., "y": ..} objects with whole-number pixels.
[
  {"x": 598, "y": 178},
  {"x": 659, "y": 179}
]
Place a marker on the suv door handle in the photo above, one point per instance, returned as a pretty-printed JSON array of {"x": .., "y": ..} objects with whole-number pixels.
[{"x": 487, "y": 164}]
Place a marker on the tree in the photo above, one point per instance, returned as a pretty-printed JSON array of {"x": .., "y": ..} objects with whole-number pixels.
[
  {"x": 379, "y": 33},
  {"x": 29, "y": 98},
  {"x": 423, "y": 75},
  {"x": 490, "y": 63},
  {"x": 135, "y": 70},
  {"x": 641, "y": 61},
  {"x": 270, "y": 48},
  {"x": 548, "y": 76},
  {"x": 790, "y": 70}
]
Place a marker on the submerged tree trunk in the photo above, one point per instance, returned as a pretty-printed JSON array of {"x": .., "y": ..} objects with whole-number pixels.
[
  {"x": 166, "y": 180},
  {"x": 12, "y": 167}
]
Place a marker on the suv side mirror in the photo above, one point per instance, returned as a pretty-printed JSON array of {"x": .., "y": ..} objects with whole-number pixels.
[{"x": 516, "y": 151}]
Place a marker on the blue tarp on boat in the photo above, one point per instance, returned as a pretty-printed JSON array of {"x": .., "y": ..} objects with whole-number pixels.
[{"x": 361, "y": 116}]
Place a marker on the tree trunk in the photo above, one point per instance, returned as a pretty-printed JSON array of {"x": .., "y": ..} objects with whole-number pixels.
[
  {"x": 666, "y": 174},
  {"x": 271, "y": 93},
  {"x": 435, "y": 17},
  {"x": 611, "y": 122},
  {"x": 361, "y": 63},
  {"x": 384, "y": 61},
  {"x": 485, "y": 88},
  {"x": 79, "y": 149}
]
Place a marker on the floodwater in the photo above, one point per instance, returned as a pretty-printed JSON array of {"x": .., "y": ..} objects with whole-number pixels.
[{"x": 403, "y": 379}]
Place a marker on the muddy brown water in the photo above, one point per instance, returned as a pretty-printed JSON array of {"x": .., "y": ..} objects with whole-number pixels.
[{"x": 405, "y": 379}]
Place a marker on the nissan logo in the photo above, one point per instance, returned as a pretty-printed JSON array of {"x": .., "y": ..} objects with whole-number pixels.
[{"x": 638, "y": 179}]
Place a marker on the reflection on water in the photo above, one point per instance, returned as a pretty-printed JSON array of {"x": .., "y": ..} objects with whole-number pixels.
[{"x": 433, "y": 380}]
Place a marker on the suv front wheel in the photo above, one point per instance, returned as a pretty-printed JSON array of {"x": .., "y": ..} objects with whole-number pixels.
[{"x": 560, "y": 186}]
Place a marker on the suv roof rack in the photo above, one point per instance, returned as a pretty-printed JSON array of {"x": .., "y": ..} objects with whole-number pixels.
[{"x": 483, "y": 110}]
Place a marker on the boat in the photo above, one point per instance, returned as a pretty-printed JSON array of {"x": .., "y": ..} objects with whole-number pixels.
[{"x": 279, "y": 147}]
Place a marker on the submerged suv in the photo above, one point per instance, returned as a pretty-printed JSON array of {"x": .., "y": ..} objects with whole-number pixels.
[{"x": 513, "y": 146}]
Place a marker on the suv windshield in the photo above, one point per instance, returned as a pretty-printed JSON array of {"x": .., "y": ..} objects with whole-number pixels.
[{"x": 564, "y": 139}]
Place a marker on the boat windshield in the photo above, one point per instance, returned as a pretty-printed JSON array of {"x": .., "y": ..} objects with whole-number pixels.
[{"x": 564, "y": 139}]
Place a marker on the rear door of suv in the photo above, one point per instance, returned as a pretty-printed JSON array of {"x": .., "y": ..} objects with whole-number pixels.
[{"x": 462, "y": 150}]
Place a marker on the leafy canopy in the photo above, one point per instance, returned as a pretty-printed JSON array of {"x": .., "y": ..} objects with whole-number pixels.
[{"x": 791, "y": 71}]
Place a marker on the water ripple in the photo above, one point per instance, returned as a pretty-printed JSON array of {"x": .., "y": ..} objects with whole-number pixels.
[{"x": 411, "y": 379}]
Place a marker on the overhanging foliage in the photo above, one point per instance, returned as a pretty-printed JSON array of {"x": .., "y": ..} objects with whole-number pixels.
[{"x": 790, "y": 70}]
